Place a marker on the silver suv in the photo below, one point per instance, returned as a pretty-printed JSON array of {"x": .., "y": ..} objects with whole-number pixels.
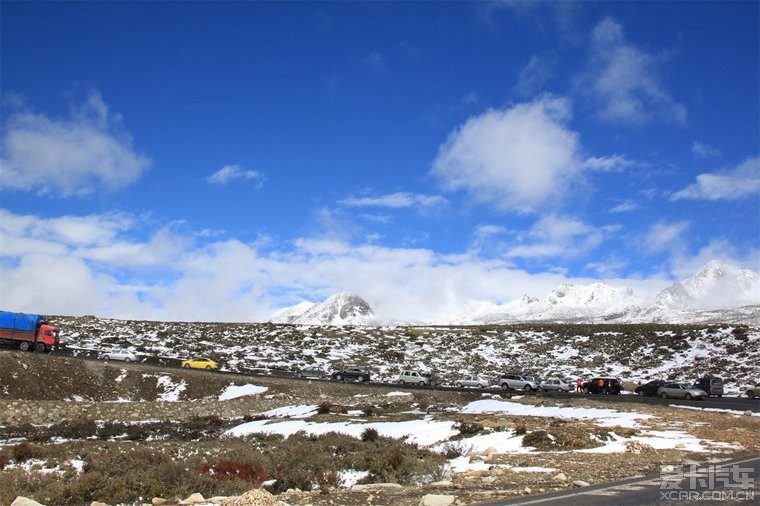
[{"x": 518, "y": 382}]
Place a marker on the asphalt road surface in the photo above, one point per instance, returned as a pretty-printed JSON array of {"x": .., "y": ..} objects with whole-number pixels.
[{"x": 735, "y": 482}]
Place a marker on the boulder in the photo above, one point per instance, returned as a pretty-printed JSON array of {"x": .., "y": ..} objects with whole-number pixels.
[
  {"x": 25, "y": 501},
  {"x": 581, "y": 483},
  {"x": 437, "y": 500},
  {"x": 195, "y": 498},
  {"x": 560, "y": 477}
]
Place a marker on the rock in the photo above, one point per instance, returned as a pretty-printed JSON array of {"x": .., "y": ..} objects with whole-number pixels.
[
  {"x": 98, "y": 503},
  {"x": 748, "y": 413},
  {"x": 255, "y": 497},
  {"x": 560, "y": 477},
  {"x": 490, "y": 452},
  {"x": 375, "y": 486},
  {"x": 442, "y": 484},
  {"x": 437, "y": 500},
  {"x": 25, "y": 501},
  {"x": 667, "y": 469},
  {"x": 158, "y": 501},
  {"x": 488, "y": 480},
  {"x": 581, "y": 483},
  {"x": 690, "y": 462},
  {"x": 680, "y": 446},
  {"x": 195, "y": 498},
  {"x": 527, "y": 490}
]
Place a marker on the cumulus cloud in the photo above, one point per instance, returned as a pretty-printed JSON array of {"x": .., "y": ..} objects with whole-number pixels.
[
  {"x": 86, "y": 152},
  {"x": 742, "y": 181},
  {"x": 624, "y": 79},
  {"x": 170, "y": 275},
  {"x": 232, "y": 173},
  {"x": 554, "y": 235},
  {"x": 518, "y": 158},
  {"x": 396, "y": 200}
]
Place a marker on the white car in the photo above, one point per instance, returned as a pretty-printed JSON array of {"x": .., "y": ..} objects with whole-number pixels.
[
  {"x": 416, "y": 378},
  {"x": 557, "y": 385},
  {"x": 750, "y": 391},
  {"x": 125, "y": 355},
  {"x": 473, "y": 381}
]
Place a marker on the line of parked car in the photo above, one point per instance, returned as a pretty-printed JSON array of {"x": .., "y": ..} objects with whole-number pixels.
[
  {"x": 192, "y": 363},
  {"x": 706, "y": 386},
  {"x": 703, "y": 387}
]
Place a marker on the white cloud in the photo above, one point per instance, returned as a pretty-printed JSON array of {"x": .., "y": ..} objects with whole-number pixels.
[
  {"x": 396, "y": 200},
  {"x": 518, "y": 158},
  {"x": 553, "y": 236},
  {"x": 232, "y": 173},
  {"x": 624, "y": 79},
  {"x": 615, "y": 163},
  {"x": 734, "y": 183},
  {"x": 85, "y": 153},
  {"x": 664, "y": 236},
  {"x": 624, "y": 207},
  {"x": 700, "y": 150}
]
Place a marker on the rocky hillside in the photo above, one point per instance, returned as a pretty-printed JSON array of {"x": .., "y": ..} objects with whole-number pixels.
[{"x": 633, "y": 352}]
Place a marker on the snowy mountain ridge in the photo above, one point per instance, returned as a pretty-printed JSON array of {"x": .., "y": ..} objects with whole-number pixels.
[{"x": 716, "y": 292}]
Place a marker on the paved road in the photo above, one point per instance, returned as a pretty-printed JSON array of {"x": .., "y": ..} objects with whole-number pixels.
[{"x": 735, "y": 482}]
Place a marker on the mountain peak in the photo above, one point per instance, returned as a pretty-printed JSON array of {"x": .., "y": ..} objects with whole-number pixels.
[
  {"x": 339, "y": 309},
  {"x": 716, "y": 286}
]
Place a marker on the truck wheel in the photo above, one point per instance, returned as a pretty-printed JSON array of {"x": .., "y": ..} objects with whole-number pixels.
[
  {"x": 401, "y": 382},
  {"x": 527, "y": 388},
  {"x": 664, "y": 395},
  {"x": 208, "y": 367},
  {"x": 459, "y": 384},
  {"x": 39, "y": 347},
  {"x": 687, "y": 397},
  {"x": 23, "y": 346},
  {"x": 339, "y": 377},
  {"x": 186, "y": 366},
  {"x": 360, "y": 379}
]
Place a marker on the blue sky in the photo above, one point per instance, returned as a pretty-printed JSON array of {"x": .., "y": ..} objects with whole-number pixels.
[{"x": 220, "y": 160}]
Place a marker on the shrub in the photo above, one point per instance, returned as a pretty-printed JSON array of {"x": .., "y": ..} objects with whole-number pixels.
[
  {"x": 22, "y": 452},
  {"x": 4, "y": 461},
  {"x": 324, "y": 408},
  {"x": 229, "y": 469},
  {"x": 369, "y": 434},
  {"x": 469, "y": 428},
  {"x": 521, "y": 429}
]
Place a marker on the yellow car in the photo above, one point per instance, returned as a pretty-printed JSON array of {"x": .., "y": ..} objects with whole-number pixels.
[{"x": 200, "y": 363}]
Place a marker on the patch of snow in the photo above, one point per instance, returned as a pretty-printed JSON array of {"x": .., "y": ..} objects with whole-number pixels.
[
  {"x": 349, "y": 477},
  {"x": 397, "y": 394},
  {"x": 235, "y": 391},
  {"x": 304, "y": 411},
  {"x": 424, "y": 432},
  {"x": 605, "y": 417}
]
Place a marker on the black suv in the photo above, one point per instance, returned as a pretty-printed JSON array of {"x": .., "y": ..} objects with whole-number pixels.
[
  {"x": 351, "y": 374},
  {"x": 602, "y": 386},
  {"x": 650, "y": 389}
]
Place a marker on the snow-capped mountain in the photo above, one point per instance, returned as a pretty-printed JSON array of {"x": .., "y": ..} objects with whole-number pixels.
[
  {"x": 339, "y": 309},
  {"x": 716, "y": 286},
  {"x": 290, "y": 314},
  {"x": 568, "y": 302},
  {"x": 718, "y": 292}
]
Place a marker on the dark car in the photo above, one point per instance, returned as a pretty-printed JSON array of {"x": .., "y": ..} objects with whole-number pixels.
[
  {"x": 649, "y": 389},
  {"x": 712, "y": 385},
  {"x": 351, "y": 374},
  {"x": 602, "y": 385}
]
